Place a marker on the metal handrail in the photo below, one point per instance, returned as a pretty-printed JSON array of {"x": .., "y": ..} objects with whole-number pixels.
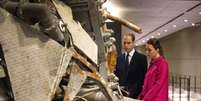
[{"x": 187, "y": 82}]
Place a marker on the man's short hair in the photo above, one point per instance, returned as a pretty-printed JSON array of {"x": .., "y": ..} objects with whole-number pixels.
[{"x": 130, "y": 34}]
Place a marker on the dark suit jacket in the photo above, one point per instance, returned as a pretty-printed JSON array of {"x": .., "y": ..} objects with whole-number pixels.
[{"x": 132, "y": 78}]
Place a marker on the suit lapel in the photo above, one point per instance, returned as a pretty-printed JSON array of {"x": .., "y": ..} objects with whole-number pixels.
[{"x": 132, "y": 62}]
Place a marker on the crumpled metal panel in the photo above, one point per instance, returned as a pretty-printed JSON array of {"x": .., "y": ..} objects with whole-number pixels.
[
  {"x": 32, "y": 59},
  {"x": 80, "y": 37}
]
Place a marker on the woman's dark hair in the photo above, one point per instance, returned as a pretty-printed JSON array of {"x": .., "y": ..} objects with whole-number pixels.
[{"x": 156, "y": 44}]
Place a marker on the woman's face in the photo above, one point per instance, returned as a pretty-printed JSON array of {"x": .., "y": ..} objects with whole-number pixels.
[{"x": 151, "y": 51}]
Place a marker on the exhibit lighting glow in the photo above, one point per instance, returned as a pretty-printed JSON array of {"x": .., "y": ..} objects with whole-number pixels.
[{"x": 114, "y": 10}]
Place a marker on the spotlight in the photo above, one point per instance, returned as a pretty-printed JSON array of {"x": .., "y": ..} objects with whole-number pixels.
[
  {"x": 185, "y": 20},
  {"x": 174, "y": 26}
]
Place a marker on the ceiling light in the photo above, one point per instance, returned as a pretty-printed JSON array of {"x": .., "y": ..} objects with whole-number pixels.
[
  {"x": 193, "y": 24},
  {"x": 152, "y": 36},
  {"x": 200, "y": 13},
  {"x": 136, "y": 44},
  {"x": 185, "y": 20},
  {"x": 147, "y": 39},
  {"x": 158, "y": 33},
  {"x": 143, "y": 41},
  {"x": 165, "y": 30},
  {"x": 174, "y": 26}
]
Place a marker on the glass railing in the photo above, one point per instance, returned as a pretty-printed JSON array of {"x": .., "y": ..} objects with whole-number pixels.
[{"x": 184, "y": 87}]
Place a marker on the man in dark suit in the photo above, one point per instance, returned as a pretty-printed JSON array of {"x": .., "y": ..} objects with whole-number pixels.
[{"x": 131, "y": 67}]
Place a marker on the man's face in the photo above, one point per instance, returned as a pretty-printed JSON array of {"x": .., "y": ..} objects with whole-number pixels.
[{"x": 128, "y": 43}]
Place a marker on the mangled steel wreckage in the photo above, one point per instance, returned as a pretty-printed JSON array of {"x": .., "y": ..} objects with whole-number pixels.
[{"x": 52, "y": 50}]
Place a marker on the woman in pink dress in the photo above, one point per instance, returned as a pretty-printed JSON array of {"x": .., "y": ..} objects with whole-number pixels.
[{"x": 155, "y": 86}]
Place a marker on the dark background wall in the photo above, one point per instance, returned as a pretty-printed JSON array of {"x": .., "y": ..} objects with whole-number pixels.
[{"x": 116, "y": 27}]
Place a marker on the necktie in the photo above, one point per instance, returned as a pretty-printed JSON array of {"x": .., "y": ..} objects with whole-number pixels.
[
  {"x": 125, "y": 72},
  {"x": 127, "y": 60}
]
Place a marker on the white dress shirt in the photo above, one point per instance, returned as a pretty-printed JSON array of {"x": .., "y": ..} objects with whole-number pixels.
[{"x": 130, "y": 55}]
